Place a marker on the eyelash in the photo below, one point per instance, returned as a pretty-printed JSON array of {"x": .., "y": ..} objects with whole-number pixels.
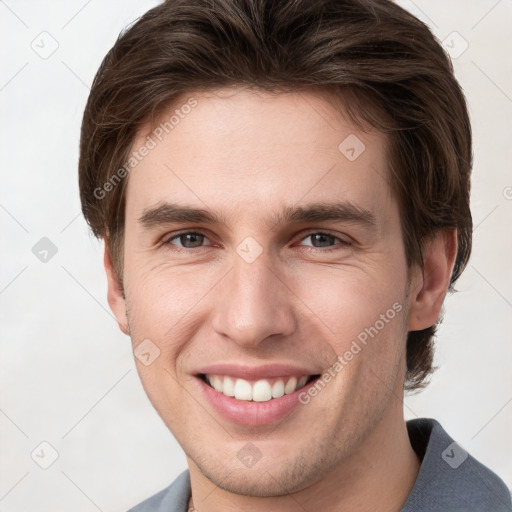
[{"x": 169, "y": 240}]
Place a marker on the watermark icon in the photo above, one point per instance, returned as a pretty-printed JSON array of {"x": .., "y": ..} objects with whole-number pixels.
[
  {"x": 454, "y": 455},
  {"x": 249, "y": 249},
  {"x": 348, "y": 355},
  {"x": 249, "y": 455},
  {"x": 44, "y": 455},
  {"x": 351, "y": 147},
  {"x": 455, "y": 45},
  {"x": 44, "y": 250},
  {"x": 152, "y": 140},
  {"x": 45, "y": 45},
  {"x": 146, "y": 352},
  {"x": 507, "y": 192}
]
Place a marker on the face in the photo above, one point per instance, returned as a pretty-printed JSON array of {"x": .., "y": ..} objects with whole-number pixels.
[{"x": 290, "y": 279}]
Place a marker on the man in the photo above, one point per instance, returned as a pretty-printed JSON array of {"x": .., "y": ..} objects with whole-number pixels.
[{"x": 283, "y": 191}]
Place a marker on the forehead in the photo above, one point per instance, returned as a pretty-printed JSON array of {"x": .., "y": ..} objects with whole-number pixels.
[{"x": 242, "y": 152}]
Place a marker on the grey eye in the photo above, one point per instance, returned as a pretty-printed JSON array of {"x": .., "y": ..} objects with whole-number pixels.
[{"x": 189, "y": 240}]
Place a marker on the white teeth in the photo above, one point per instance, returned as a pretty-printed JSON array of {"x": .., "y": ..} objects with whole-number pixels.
[
  {"x": 291, "y": 386},
  {"x": 259, "y": 391},
  {"x": 278, "y": 389},
  {"x": 243, "y": 390},
  {"x": 217, "y": 383},
  {"x": 262, "y": 391},
  {"x": 229, "y": 386}
]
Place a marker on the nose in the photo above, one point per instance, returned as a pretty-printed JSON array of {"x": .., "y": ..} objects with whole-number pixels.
[{"x": 253, "y": 303}]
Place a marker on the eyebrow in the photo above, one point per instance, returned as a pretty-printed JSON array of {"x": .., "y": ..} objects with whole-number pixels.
[{"x": 346, "y": 211}]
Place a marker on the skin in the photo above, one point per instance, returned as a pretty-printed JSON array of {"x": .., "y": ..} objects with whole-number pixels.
[{"x": 245, "y": 154}]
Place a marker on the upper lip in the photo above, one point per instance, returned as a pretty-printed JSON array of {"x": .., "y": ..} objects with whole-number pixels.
[{"x": 243, "y": 371}]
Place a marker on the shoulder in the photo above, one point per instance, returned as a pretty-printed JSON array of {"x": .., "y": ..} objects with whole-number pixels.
[
  {"x": 173, "y": 498},
  {"x": 450, "y": 478}
]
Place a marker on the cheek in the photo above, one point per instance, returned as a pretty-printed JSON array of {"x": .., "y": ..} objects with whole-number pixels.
[
  {"x": 164, "y": 304},
  {"x": 163, "y": 295},
  {"x": 365, "y": 314},
  {"x": 348, "y": 298}
]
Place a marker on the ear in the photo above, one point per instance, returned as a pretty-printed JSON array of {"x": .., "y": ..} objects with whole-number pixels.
[
  {"x": 430, "y": 284},
  {"x": 115, "y": 295}
]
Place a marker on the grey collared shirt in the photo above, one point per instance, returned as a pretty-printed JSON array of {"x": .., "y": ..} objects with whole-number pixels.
[{"x": 450, "y": 479}]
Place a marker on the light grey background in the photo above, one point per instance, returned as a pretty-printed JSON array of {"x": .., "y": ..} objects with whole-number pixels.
[{"x": 67, "y": 373}]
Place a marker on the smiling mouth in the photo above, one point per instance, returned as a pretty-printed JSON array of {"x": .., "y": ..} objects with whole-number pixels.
[{"x": 262, "y": 390}]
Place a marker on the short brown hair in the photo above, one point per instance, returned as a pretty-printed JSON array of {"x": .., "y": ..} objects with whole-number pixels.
[{"x": 385, "y": 66}]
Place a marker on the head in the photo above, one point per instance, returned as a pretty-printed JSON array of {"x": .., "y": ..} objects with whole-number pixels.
[{"x": 265, "y": 115}]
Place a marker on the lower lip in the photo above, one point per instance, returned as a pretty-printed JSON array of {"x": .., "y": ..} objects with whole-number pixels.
[{"x": 250, "y": 413}]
